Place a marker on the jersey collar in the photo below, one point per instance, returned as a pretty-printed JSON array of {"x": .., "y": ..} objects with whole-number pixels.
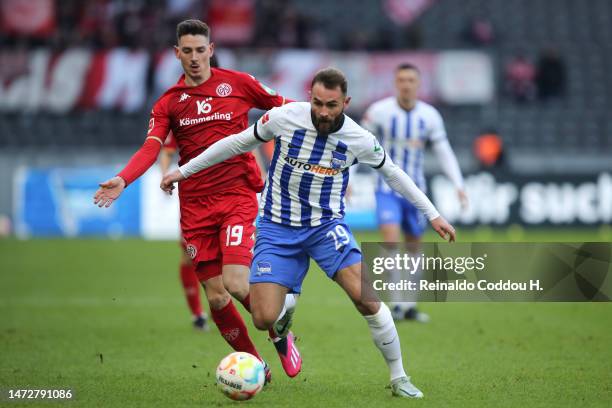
[
  {"x": 404, "y": 109},
  {"x": 181, "y": 81}
]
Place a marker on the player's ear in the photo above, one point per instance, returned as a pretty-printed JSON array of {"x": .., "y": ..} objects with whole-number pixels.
[
  {"x": 176, "y": 51},
  {"x": 212, "y": 49},
  {"x": 347, "y": 100}
]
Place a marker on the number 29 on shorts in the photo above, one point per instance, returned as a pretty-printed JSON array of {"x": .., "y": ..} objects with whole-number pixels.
[{"x": 339, "y": 235}]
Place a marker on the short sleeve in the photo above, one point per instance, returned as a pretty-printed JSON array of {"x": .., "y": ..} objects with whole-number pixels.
[
  {"x": 267, "y": 126},
  {"x": 438, "y": 131},
  {"x": 369, "y": 151},
  {"x": 262, "y": 96},
  {"x": 159, "y": 121}
]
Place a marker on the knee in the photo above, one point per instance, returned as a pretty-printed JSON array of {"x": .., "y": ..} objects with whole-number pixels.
[
  {"x": 262, "y": 320},
  {"x": 217, "y": 297},
  {"x": 237, "y": 287},
  {"x": 218, "y": 301}
]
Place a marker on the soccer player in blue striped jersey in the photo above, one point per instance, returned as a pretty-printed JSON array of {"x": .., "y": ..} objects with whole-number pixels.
[
  {"x": 302, "y": 207},
  {"x": 405, "y": 125}
]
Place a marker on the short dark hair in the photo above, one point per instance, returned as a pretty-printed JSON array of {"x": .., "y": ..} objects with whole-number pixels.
[
  {"x": 193, "y": 27},
  {"x": 407, "y": 65},
  {"x": 331, "y": 78}
]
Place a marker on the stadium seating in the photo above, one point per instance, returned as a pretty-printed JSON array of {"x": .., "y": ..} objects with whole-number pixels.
[{"x": 580, "y": 31}]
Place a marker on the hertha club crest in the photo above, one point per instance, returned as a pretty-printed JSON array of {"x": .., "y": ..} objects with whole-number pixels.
[
  {"x": 224, "y": 89},
  {"x": 191, "y": 251}
]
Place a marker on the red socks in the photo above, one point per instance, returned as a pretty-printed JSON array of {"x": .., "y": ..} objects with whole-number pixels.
[
  {"x": 232, "y": 328},
  {"x": 192, "y": 288}
]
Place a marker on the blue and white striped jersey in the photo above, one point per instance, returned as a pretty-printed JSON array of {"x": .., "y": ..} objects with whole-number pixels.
[
  {"x": 403, "y": 134},
  {"x": 309, "y": 172}
]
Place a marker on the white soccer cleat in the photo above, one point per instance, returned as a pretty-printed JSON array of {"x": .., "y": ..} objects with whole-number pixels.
[
  {"x": 282, "y": 326},
  {"x": 402, "y": 387}
]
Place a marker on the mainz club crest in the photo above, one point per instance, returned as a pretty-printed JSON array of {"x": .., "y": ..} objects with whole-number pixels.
[
  {"x": 224, "y": 89},
  {"x": 191, "y": 251}
]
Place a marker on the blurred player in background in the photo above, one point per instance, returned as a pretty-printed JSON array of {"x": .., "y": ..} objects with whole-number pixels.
[
  {"x": 302, "y": 207},
  {"x": 189, "y": 279},
  {"x": 404, "y": 125},
  {"x": 218, "y": 206}
]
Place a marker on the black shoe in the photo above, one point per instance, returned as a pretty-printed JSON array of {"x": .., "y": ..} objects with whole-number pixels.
[
  {"x": 414, "y": 315},
  {"x": 201, "y": 323}
]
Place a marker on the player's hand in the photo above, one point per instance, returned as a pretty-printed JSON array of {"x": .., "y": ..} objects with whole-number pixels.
[
  {"x": 463, "y": 199},
  {"x": 443, "y": 228},
  {"x": 109, "y": 191},
  {"x": 167, "y": 183}
]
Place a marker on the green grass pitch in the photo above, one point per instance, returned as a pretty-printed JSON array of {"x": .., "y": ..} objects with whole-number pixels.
[{"x": 108, "y": 320}]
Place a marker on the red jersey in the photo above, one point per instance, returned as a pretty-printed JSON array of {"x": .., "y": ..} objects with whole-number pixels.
[
  {"x": 201, "y": 115},
  {"x": 170, "y": 143}
]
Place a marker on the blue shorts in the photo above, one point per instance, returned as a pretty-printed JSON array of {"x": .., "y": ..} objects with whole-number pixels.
[
  {"x": 392, "y": 209},
  {"x": 282, "y": 253}
]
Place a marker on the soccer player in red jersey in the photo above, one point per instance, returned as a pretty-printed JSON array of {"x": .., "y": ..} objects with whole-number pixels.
[
  {"x": 218, "y": 206},
  {"x": 189, "y": 279}
]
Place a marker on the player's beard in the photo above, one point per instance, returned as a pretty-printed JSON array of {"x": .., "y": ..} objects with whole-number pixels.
[{"x": 326, "y": 126}]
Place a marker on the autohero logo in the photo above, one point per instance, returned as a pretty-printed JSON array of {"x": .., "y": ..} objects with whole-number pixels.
[
  {"x": 312, "y": 168},
  {"x": 412, "y": 264}
]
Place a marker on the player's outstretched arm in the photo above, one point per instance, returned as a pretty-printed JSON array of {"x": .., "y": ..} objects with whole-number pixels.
[
  {"x": 109, "y": 191},
  {"x": 144, "y": 158},
  {"x": 225, "y": 148},
  {"x": 399, "y": 181}
]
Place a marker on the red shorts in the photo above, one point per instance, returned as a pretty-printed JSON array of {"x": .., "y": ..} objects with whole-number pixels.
[{"x": 219, "y": 229}]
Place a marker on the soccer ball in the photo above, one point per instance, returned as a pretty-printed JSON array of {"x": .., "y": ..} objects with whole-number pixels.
[{"x": 240, "y": 376}]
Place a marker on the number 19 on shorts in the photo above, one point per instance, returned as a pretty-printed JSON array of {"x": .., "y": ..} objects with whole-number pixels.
[{"x": 234, "y": 235}]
